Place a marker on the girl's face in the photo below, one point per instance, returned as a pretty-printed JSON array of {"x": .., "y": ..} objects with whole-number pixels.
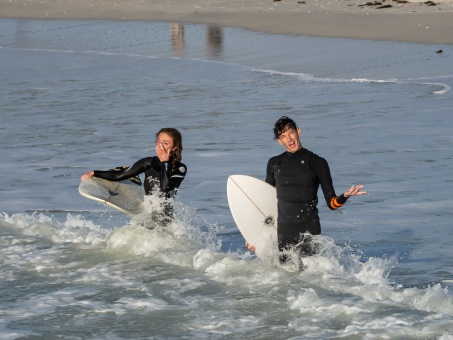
[{"x": 165, "y": 141}]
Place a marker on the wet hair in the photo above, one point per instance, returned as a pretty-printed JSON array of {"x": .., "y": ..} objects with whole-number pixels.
[
  {"x": 283, "y": 124},
  {"x": 175, "y": 135}
]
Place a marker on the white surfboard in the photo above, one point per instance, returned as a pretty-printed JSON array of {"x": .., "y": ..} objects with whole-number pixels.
[
  {"x": 253, "y": 204},
  {"x": 124, "y": 197}
]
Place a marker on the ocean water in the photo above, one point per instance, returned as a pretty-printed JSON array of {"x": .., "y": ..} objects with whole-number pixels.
[{"x": 82, "y": 95}]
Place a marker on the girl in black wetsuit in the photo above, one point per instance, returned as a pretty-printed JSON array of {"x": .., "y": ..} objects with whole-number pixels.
[
  {"x": 163, "y": 172},
  {"x": 297, "y": 174}
]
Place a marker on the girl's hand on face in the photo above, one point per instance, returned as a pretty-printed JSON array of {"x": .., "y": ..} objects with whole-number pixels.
[
  {"x": 163, "y": 155},
  {"x": 164, "y": 147}
]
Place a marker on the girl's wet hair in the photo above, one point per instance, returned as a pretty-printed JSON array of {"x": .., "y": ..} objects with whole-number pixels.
[
  {"x": 177, "y": 143},
  {"x": 283, "y": 124}
]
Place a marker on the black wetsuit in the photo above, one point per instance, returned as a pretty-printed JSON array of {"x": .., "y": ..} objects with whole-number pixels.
[
  {"x": 158, "y": 175},
  {"x": 296, "y": 177},
  {"x": 167, "y": 177}
]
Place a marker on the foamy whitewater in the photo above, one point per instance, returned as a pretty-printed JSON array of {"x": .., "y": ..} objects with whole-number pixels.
[{"x": 82, "y": 95}]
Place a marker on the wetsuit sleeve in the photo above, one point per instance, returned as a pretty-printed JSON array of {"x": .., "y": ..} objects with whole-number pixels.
[
  {"x": 134, "y": 170},
  {"x": 270, "y": 178},
  {"x": 170, "y": 181},
  {"x": 321, "y": 170}
]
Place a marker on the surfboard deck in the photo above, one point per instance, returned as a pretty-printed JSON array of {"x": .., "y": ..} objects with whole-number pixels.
[
  {"x": 253, "y": 205},
  {"x": 126, "y": 198}
]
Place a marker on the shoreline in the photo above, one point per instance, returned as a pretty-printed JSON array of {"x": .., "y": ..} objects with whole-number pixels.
[{"x": 398, "y": 20}]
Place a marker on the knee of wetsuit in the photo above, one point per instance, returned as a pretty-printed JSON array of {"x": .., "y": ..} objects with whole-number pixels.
[
  {"x": 283, "y": 258},
  {"x": 308, "y": 248}
]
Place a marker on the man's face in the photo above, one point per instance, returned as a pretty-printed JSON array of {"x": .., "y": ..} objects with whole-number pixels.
[{"x": 290, "y": 140}]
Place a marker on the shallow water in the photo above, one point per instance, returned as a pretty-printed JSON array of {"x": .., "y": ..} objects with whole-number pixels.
[{"x": 78, "y": 95}]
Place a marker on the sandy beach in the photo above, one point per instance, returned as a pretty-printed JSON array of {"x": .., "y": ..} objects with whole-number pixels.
[{"x": 400, "y": 20}]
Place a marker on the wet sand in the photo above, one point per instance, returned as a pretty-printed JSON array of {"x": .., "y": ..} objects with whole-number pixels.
[{"x": 414, "y": 21}]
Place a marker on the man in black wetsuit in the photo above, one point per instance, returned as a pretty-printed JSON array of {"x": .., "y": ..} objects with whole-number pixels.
[
  {"x": 297, "y": 174},
  {"x": 163, "y": 172}
]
